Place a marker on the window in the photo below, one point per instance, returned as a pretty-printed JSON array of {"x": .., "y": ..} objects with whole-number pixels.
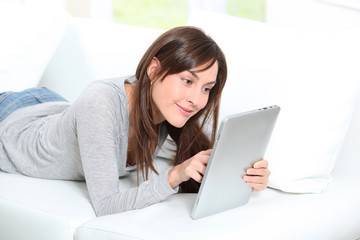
[
  {"x": 251, "y": 9},
  {"x": 163, "y": 14},
  {"x": 166, "y": 14}
]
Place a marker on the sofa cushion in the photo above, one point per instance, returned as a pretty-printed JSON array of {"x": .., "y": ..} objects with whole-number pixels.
[
  {"x": 312, "y": 76},
  {"x": 29, "y": 37},
  {"x": 42, "y": 209},
  {"x": 50, "y": 209},
  {"x": 278, "y": 215}
]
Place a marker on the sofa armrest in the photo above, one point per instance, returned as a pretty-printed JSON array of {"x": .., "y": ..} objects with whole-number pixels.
[{"x": 42, "y": 209}]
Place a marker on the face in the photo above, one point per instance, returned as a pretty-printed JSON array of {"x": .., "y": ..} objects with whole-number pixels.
[{"x": 180, "y": 96}]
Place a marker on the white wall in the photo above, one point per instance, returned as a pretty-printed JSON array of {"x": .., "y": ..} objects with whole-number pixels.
[
  {"x": 314, "y": 14},
  {"x": 96, "y": 9}
]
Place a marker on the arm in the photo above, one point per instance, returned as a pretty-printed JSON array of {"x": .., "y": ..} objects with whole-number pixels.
[{"x": 100, "y": 132}]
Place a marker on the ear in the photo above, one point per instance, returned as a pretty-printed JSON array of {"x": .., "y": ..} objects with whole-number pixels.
[{"x": 153, "y": 68}]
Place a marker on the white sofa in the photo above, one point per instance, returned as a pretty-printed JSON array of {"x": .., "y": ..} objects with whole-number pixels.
[{"x": 315, "y": 206}]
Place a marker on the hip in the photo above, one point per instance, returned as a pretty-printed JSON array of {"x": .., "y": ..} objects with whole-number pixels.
[{"x": 12, "y": 101}]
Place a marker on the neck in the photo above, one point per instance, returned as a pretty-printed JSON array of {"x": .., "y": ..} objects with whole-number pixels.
[{"x": 130, "y": 89}]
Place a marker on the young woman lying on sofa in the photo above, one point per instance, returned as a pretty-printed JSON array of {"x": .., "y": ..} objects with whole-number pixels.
[{"x": 117, "y": 125}]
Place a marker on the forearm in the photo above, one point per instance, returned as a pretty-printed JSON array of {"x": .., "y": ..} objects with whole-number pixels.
[{"x": 147, "y": 193}]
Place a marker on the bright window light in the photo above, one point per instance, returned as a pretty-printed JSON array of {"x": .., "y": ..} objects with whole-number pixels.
[{"x": 165, "y": 14}]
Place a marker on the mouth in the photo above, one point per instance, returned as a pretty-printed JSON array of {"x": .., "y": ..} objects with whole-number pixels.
[{"x": 185, "y": 111}]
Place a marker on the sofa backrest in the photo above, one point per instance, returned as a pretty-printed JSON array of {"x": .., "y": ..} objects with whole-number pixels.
[
  {"x": 101, "y": 50},
  {"x": 93, "y": 50}
]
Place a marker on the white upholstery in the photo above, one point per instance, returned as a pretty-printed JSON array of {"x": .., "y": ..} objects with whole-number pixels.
[
  {"x": 98, "y": 50},
  {"x": 312, "y": 76},
  {"x": 61, "y": 210},
  {"x": 29, "y": 38},
  {"x": 350, "y": 153},
  {"x": 41, "y": 209},
  {"x": 268, "y": 215}
]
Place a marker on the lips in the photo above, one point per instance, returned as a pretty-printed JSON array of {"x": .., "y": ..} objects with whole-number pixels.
[{"x": 185, "y": 111}]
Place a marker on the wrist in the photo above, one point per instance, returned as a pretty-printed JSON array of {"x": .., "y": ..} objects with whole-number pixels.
[{"x": 173, "y": 177}]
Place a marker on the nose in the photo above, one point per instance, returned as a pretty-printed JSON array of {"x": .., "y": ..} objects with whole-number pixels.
[{"x": 196, "y": 98}]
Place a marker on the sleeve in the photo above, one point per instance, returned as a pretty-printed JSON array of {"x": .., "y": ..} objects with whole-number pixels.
[{"x": 97, "y": 126}]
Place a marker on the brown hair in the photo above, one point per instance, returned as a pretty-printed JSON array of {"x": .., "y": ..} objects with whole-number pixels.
[{"x": 179, "y": 49}]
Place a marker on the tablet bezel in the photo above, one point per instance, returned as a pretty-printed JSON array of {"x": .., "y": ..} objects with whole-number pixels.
[{"x": 246, "y": 135}]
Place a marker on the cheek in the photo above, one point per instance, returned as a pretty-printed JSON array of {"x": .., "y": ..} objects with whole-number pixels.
[
  {"x": 172, "y": 89},
  {"x": 203, "y": 102}
]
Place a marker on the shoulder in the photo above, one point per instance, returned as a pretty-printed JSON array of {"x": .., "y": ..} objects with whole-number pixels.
[
  {"x": 107, "y": 90},
  {"x": 106, "y": 86},
  {"x": 104, "y": 97}
]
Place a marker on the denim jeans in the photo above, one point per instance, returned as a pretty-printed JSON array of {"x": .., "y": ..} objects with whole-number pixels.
[{"x": 11, "y": 101}]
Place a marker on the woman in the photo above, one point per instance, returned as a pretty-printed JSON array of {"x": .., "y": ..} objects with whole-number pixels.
[{"x": 117, "y": 125}]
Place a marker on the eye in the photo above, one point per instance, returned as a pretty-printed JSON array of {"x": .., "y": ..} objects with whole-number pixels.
[
  {"x": 187, "y": 81},
  {"x": 206, "y": 89}
]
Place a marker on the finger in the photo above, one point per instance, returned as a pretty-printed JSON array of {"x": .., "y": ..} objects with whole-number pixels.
[
  {"x": 261, "y": 164},
  {"x": 203, "y": 157},
  {"x": 196, "y": 167},
  {"x": 197, "y": 177},
  {"x": 257, "y": 187},
  {"x": 258, "y": 172},
  {"x": 256, "y": 179},
  {"x": 192, "y": 172},
  {"x": 200, "y": 167},
  {"x": 206, "y": 152}
]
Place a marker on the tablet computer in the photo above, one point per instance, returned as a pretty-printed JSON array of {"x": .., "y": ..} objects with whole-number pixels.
[{"x": 242, "y": 139}]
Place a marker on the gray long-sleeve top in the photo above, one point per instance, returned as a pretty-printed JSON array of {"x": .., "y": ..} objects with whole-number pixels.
[{"x": 86, "y": 140}]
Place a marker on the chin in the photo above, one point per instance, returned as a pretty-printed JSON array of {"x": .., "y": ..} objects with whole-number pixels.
[{"x": 177, "y": 124}]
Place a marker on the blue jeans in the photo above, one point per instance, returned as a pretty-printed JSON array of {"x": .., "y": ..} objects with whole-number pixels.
[{"x": 11, "y": 101}]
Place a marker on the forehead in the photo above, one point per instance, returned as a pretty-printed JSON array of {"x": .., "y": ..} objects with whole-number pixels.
[
  {"x": 205, "y": 66},
  {"x": 206, "y": 72}
]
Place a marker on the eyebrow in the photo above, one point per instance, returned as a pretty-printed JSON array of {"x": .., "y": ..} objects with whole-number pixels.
[
  {"x": 194, "y": 74},
  {"x": 197, "y": 77}
]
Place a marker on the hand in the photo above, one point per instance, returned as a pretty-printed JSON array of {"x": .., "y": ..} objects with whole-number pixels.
[
  {"x": 258, "y": 176},
  {"x": 193, "y": 168}
]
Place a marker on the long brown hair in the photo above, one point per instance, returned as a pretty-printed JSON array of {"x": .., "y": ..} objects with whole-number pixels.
[{"x": 177, "y": 50}]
